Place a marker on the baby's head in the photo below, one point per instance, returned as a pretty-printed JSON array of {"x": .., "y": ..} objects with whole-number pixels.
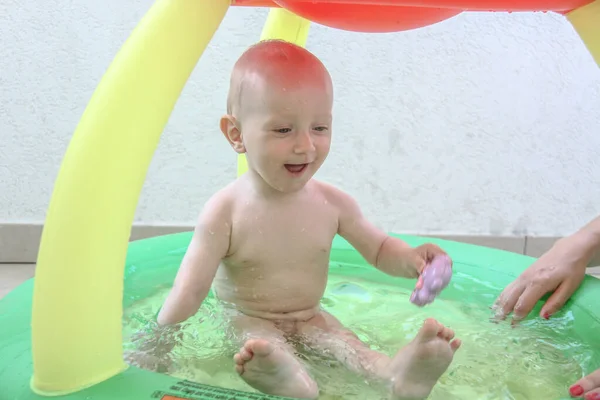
[{"x": 279, "y": 113}]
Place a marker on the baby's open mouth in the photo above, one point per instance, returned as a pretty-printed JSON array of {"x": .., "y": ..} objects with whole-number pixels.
[{"x": 295, "y": 168}]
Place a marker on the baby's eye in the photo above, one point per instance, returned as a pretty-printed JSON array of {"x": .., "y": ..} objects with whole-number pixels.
[
  {"x": 283, "y": 130},
  {"x": 321, "y": 128}
]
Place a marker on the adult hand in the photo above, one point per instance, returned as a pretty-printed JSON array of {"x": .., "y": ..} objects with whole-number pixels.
[
  {"x": 560, "y": 270},
  {"x": 587, "y": 387}
]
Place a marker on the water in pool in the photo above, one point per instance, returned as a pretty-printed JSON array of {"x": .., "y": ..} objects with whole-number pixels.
[{"x": 537, "y": 359}]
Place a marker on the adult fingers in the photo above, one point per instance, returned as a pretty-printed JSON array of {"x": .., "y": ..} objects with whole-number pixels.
[
  {"x": 593, "y": 394},
  {"x": 527, "y": 300},
  {"x": 508, "y": 299},
  {"x": 559, "y": 298},
  {"x": 586, "y": 384}
]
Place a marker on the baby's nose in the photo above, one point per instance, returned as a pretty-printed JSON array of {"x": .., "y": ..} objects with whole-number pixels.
[{"x": 304, "y": 143}]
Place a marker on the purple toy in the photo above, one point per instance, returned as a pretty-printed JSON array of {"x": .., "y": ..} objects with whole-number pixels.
[{"x": 434, "y": 279}]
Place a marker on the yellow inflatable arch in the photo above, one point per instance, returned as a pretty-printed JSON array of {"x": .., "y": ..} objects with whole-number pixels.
[{"x": 77, "y": 302}]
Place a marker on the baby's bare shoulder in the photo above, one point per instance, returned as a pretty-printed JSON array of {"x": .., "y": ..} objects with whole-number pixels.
[
  {"x": 219, "y": 207},
  {"x": 333, "y": 194}
]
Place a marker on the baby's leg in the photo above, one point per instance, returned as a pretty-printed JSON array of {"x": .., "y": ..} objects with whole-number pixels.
[
  {"x": 412, "y": 372},
  {"x": 267, "y": 363},
  {"x": 325, "y": 333}
]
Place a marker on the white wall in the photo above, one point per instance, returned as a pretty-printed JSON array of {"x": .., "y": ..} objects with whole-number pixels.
[{"x": 482, "y": 124}]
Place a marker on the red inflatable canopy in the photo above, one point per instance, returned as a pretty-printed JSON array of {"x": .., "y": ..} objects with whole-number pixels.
[{"x": 400, "y": 15}]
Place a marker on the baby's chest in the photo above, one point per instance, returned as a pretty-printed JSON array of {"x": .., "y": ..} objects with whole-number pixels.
[{"x": 275, "y": 237}]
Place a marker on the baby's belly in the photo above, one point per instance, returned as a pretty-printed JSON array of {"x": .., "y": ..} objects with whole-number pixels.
[{"x": 294, "y": 300}]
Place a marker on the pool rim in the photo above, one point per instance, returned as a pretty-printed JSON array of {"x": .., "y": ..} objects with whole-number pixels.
[{"x": 15, "y": 311}]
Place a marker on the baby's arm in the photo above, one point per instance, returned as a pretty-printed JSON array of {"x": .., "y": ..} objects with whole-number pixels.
[
  {"x": 209, "y": 245},
  {"x": 388, "y": 254}
]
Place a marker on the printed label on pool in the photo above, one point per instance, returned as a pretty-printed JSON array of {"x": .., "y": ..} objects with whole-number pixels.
[{"x": 187, "y": 390}]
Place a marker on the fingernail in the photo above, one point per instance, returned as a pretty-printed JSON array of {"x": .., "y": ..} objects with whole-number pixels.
[
  {"x": 576, "y": 390},
  {"x": 546, "y": 315},
  {"x": 592, "y": 396},
  {"x": 518, "y": 317}
]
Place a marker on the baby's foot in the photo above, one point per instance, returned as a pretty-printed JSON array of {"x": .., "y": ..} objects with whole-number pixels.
[
  {"x": 417, "y": 367},
  {"x": 273, "y": 370}
]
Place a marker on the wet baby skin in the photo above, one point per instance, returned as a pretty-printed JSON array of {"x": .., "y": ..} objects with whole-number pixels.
[{"x": 263, "y": 242}]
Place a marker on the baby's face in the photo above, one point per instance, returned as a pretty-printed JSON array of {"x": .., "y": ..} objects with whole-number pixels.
[{"x": 287, "y": 131}]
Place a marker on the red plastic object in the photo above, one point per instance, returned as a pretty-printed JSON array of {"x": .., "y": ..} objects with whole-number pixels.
[
  {"x": 368, "y": 18},
  {"x": 399, "y": 15}
]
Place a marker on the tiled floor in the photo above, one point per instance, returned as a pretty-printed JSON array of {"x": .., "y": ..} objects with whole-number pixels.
[{"x": 12, "y": 275}]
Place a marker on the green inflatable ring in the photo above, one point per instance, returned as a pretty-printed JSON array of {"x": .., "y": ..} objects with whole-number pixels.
[{"x": 153, "y": 262}]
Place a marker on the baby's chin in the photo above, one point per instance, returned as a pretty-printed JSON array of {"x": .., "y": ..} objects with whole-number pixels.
[{"x": 292, "y": 184}]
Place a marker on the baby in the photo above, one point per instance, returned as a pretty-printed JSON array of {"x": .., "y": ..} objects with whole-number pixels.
[{"x": 263, "y": 242}]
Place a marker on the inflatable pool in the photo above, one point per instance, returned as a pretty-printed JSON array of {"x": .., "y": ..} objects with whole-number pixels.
[{"x": 151, "y": 266}]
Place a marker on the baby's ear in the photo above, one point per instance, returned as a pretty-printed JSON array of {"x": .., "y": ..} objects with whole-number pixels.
[{"x": 233, "y": 134}]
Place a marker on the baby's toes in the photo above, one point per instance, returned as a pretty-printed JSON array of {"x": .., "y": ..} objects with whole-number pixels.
[
  {"x": 242, "y": 357},
  {"x": 245, "y": 354},
  {"x": 446, "y": 333},
  {"x": 237, "y": 358},
  {"x": 455, "y": 344},
  {"x": 239, "y": 368}
]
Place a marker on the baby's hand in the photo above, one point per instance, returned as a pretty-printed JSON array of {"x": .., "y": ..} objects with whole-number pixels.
[
  {"x": 151, "y": 349},
  {"x": 435, "y": 274},
  {"x": 159, "y": 340}
]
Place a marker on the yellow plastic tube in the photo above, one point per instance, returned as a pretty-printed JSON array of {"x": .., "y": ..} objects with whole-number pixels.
[
  {"x": 586, "y": 21},
  {"x": 285, "y": 25},
  {"x": 77, "y": 299}
]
